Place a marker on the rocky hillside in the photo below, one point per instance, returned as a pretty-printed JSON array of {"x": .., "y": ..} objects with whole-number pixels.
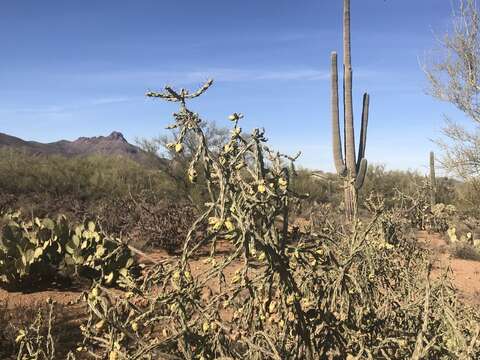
[{"x": 113, "y": 144}]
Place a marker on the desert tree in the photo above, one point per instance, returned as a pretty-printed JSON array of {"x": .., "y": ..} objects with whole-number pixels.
[{"x": 453, "y": 73}]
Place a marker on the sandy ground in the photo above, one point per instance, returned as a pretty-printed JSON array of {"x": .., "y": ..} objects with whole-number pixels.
[
  {"x": 17, "y": 299},
  {"x": 465, "y": 273},
  {"x": 466, "y": 276}
]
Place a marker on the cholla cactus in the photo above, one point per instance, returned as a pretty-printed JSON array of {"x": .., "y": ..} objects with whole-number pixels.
[{"x": 352, "y": 168}]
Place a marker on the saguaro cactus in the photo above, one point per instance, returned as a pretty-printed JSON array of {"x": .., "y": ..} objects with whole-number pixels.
[
  {"x": 352, "y": 168},
  {"x": 433, "y": 180}
]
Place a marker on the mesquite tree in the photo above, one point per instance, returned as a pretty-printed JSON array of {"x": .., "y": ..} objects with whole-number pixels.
[
  {"x": 352, "y": 168},
  {"x": 453, "y": 73}
]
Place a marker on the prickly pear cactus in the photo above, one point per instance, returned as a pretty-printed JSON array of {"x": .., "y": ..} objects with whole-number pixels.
[
  {"x": 452, "y": 235},
  {"x": 40, "y": 249},
  {"x": 91, "y": 254},
  {"x": 32, "y": 247}
]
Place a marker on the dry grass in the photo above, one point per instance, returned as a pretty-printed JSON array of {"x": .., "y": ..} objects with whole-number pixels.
[
  {"x": 465, "y": 251},
  {"x": 65, "y": 330}
]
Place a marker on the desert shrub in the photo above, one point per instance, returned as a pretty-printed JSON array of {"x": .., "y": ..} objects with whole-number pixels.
[
  {"x": 50, "y": 185},
  {"x": 36, "y": 340},
  {"x": 7, "y": 201},
  {"x": 164, "y": 224},
  {"x": 145, "y": 204},
  {"x": 40, "y": 339},
  {"x": 468, "y": 197},
  {"x": 53, "y": 332},
  {"x": 386, "y": 183},
  {"x": 466, "y": 228},
  {"x": 126, "y": 198},
  {"x": 441, "y": 217},
  {"x": 417, "y": 208},
  {"x": 446, "y": 192},
  {"x": 465, "y": 251},
  {"x": 6, "y": 345},
  {"x": 147, "y": 220},
  {"x": 463, "y": 240},
  {"x": 383, "y": 182},
  {"x": 320, "y": 187}
]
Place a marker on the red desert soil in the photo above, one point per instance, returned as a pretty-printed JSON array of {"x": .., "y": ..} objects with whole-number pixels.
[
  {"x": 465, "y": 273},
  {"x": 17, "y": 299}
]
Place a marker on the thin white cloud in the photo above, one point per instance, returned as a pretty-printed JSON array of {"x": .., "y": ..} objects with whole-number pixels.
[
  {"x": 41, "y": 110},
  {"x": 140, "y": 77},
  {"x": 195, "y": 76},
  {"x": 56, "y": 110},
  {"x": 233, "y": 75},
  {"x": 109, "y": 100}
]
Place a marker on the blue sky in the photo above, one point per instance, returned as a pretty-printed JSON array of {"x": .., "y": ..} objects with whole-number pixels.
[{"x": 81, "y": 68}]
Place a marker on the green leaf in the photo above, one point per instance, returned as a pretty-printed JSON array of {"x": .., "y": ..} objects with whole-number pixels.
[
  {"x": 109, "y": 278},
  {"x": 79, "y": 230},
  {"x": 69, "y": 247},
  {"x": 100, "y": 251},
  {"x": 69, "y": 260},
  {"x": 123, "y": 272},
  {"x": 129, "y": 263},
  {"x": 76, "y": 239},
  {"x": 29, "y": 256},
  {"x": 91, "y": 226},
  {"x": 78, "y": 259},
  {"x": 38, "y": 252},
  {"x": 48, "y": 223}
]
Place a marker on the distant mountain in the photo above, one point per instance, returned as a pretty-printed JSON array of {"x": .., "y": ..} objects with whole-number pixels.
[{"x": 113, "y": 144}]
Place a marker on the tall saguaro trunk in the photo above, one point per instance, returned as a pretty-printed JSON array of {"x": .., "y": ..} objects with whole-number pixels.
[
  {"x": 351, "y": 167},
  {"x": 350, "y": 201},
  {"x": 347, "y": 93},
  {"x": 433, "y": 180}
]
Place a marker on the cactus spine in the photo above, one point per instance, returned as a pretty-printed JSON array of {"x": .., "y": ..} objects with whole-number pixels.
[
  {"x": 352, "y": 168},
  {"x": 433, "y": 180}
]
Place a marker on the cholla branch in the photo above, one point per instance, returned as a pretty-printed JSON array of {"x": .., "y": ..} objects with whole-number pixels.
[{"x": 171, "y": 95}]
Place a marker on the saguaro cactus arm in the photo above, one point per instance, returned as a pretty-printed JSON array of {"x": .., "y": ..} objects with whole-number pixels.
[
  {"x": 363, "y": 130},
  {"x": 336, "y": 138},
  {"x": 361, "y": 172}
]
